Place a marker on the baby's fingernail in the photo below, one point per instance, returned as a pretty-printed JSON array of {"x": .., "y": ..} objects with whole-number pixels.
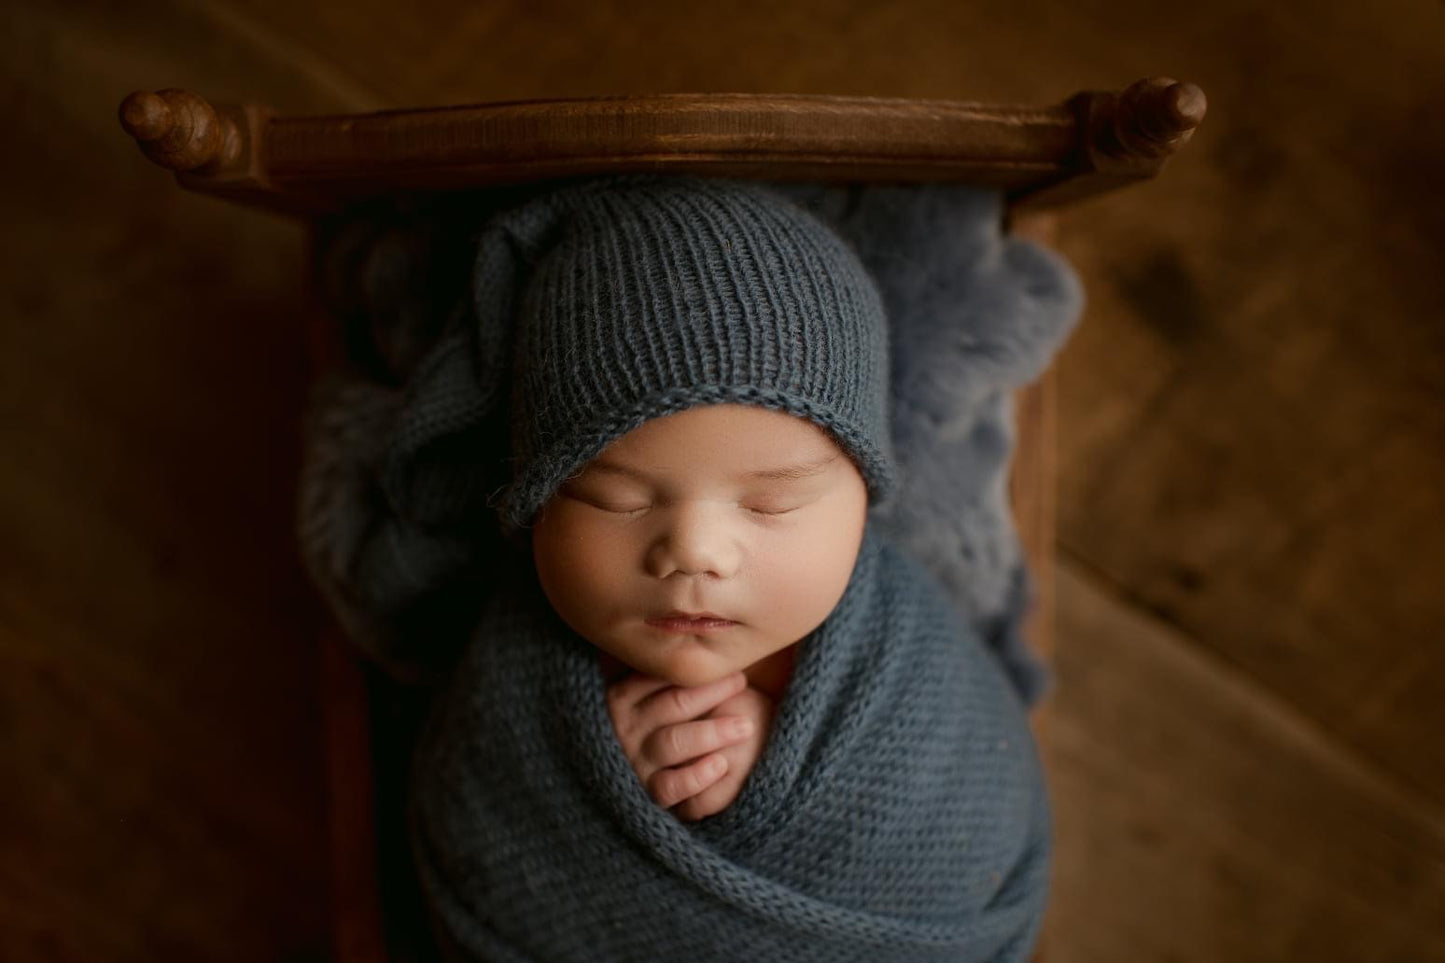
[{"x": 715, "y": 765}]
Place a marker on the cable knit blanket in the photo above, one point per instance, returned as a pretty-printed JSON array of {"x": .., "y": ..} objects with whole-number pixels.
[{"x": 897, "y": 812}]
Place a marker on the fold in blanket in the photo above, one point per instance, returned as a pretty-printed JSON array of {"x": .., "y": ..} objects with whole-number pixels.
[{"x": 897, "y": 812}]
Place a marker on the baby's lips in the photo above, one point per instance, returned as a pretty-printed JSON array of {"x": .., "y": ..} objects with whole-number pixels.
[
  {"x": 690, "y": 624},
  {"x": 684, "y": 614}
]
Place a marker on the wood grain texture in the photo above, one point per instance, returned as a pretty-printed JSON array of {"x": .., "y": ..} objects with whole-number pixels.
[
  {"x": 1199, "y": 818},
  {"x": 1091, "y": 143},
  {"x": 1253, "y": 408},
  {"x": 159, "y": 729}
]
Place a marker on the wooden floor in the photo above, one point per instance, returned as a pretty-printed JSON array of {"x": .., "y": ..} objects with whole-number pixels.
[{"x": 1245, "y": 738}]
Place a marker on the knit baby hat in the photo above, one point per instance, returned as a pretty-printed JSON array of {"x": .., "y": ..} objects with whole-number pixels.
[{"x": 656, "y": 294}]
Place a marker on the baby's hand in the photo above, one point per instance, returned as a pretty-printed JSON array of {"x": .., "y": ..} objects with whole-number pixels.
[{"x": 687, "y": 744}]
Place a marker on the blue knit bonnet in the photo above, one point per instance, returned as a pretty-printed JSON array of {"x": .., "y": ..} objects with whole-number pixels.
[{"x": 644, "y": 295}]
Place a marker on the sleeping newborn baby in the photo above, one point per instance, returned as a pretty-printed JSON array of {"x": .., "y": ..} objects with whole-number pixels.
[
  {"x": 695, "y": 553},
  {"x": 719, "y": 716}
]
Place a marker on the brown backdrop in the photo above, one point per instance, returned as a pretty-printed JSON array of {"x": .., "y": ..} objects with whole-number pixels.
[{"x": 1245, "y": 734}]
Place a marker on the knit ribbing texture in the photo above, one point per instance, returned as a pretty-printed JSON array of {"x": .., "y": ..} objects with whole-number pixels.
[
  {"x": 897, "y": 812},
  {"x": 657, "y": 294}
]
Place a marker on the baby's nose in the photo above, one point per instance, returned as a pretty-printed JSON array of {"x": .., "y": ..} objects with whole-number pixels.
[{"x": 698, "y": 539}]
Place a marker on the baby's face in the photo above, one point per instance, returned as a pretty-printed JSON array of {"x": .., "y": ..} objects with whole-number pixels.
[{"x": 703, "y": 542}]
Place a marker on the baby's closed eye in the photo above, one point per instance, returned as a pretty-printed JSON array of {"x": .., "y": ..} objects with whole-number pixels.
[
  {"x": 608, "y": 499},
  {"x": 773, "y": 506}
]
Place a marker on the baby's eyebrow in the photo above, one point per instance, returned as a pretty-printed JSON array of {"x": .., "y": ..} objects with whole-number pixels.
[
  {"x": 608, "y": 468},
  {"x": 806, "y": 469},
  {"x": 794, "y": 472}
]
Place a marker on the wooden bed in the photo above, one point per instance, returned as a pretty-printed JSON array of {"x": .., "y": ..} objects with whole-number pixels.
[{"x": 309, "y": 167}]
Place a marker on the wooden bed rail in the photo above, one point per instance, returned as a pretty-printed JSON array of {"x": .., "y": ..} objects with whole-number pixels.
[{"x": 1092, "y": 142}]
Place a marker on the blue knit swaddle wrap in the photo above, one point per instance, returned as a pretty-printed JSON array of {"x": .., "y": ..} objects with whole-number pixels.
[{"x": 897, "y": 811}]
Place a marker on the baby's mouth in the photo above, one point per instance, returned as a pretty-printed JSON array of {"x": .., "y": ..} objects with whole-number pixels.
[{"x": 690, "y": 622}]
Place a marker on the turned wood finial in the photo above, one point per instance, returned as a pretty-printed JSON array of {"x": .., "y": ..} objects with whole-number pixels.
[
  {"x": 178, "y": 130},
  {"x": 1155, "y": 117}
]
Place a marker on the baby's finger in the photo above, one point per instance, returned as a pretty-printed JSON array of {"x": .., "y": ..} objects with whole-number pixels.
[
  {"x": 676, "y": 744},
  {"x": 672, "y": 786},
  {"x": 684, "y": 703},
  {"x": 711, "y": 801}
]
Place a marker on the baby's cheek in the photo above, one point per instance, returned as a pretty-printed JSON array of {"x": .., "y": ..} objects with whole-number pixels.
[
  {"x": 579, "y": 575},
  {"x": 805, "y": 579}
]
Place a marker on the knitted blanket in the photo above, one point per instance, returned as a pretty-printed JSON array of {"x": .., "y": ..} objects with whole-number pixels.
[{"x": 897, "y": 811}]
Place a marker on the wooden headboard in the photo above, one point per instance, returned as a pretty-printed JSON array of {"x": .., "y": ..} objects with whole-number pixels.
[{"x": 1093, "y": 141}]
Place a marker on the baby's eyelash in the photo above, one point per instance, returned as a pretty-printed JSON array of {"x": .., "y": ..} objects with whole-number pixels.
[
  {"x": 620, "y": 511},
  {"x": 602, "y": 505}
]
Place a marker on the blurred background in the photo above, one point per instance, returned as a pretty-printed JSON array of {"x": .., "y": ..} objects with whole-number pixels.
[{"x": 1247, "y": 736}]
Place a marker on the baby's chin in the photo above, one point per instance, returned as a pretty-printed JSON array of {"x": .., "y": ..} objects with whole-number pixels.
[
  {"x": 686, "y": 665},
  {"x": 692, "y": 665}
]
